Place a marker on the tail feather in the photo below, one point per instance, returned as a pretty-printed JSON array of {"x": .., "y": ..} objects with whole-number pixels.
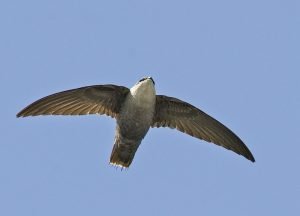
[{"x": 123, "y": 154}]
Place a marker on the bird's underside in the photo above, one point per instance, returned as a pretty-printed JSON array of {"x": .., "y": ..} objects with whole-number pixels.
[{"x": 168, "y": 112}]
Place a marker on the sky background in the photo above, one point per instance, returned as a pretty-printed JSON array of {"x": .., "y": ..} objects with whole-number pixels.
[{"x": 239, "y": 61}]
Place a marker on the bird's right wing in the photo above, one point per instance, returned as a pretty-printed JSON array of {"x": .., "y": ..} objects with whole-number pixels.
[
  {"x": 97, "y": 99},
  {"x": 174, "y": 113}
]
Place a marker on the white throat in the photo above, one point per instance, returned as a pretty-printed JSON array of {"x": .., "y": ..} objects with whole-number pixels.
[{"x": 143, "y": 93}]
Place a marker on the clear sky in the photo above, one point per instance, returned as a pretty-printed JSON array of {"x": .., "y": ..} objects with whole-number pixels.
[{"x": 239, "y": 61}]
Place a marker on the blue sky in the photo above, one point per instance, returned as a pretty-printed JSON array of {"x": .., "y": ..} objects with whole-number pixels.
[{"x": 239, "y": 61}]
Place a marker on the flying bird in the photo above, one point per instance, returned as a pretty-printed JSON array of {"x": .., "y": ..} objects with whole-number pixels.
[{"x": 136, "y": 110}]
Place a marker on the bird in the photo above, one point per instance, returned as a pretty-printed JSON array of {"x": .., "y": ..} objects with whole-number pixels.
[{"x": 136, "y": 110}]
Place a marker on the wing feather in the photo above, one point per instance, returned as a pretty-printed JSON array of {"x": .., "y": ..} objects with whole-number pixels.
[
  {"x": 97, "y": 99},
  {"x": 174, "y": 113}
]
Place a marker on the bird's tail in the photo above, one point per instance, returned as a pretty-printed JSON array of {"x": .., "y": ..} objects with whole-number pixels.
[{"x": 123, "y": 153}]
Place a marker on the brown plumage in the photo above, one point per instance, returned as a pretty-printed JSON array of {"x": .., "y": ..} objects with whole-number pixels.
[
  {"x": 136, "y": 110},
  {"x": 174, "y": 113},
  {"x": 97, "y": 99}
]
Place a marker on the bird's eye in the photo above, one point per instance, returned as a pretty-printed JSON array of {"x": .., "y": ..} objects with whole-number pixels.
[
  {"x": 142, "y": 79},
  {"x": 145, "y": 78},
  {"x": 152, "y": 80}
]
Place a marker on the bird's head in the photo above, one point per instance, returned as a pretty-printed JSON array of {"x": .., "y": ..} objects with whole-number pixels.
[
  {"x": 146, "y": 79},
  {"x": 145, "y": 87}
]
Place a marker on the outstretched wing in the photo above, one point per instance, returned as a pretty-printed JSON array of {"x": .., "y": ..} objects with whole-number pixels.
[
  {"x": 174, "y": 113},
  {"x": 97, "y": 99}
]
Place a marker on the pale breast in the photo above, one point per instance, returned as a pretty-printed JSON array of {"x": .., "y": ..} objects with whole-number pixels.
[{"x": 135, "y": 117}]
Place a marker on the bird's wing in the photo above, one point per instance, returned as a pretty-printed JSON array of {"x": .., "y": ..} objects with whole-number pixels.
[
  {"x": 97, "y": 99},
  {"x": 174, "y": 113}
]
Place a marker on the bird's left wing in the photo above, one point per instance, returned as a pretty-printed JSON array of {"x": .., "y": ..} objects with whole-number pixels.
[
  {"x": 174, "y": 113},
  {"x": 97, "y": 99}
]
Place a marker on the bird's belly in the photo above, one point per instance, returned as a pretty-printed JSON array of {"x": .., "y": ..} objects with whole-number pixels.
[
  {"x": 134, "y": 125},
  {"x": 134, "y": 122}
]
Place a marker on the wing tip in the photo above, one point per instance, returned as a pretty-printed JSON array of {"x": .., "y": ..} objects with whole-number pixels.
[
  {"x": 23, "y": 113},
  {"x": 251, "y": 158},
  {"x": 20, "y": 114}
]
